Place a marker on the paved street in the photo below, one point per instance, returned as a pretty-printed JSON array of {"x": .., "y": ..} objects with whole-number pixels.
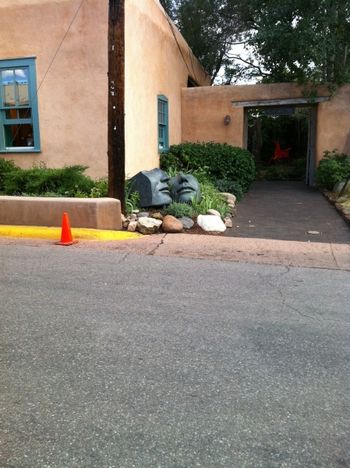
[{"x": 122, "y": 360}]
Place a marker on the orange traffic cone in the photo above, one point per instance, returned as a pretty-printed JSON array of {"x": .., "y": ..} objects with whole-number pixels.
[{"x": 66, "y": 234}]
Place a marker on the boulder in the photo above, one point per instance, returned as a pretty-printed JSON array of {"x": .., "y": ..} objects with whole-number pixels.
[
  {"x": 187, "y": 223},
  {"x": 148, "y": 225},
  {"x": 132, "y": 226},
  {"x": 228, "y": 222},
  {"x": 125, "y": 221},
  {"x": 143, "y": 214},
  {"x": 172, "y": 224},
  {"x": 230, "y": 197},
  {"x": 210, "y": 223},
  {"x": 157, "y": 215},
  {"x": 213, "y": 212}
]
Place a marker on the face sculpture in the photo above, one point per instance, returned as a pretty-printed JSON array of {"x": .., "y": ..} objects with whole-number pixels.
[
  {"x": 184, "y": 188},
  {"x": 153, "y": 188}
]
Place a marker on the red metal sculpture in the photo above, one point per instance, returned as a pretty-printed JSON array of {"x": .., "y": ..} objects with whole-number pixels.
[{"x": 280, "y": 154}]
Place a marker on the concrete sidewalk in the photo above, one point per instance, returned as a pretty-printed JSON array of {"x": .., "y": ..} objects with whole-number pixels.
[{"x": 220, "y": 248}]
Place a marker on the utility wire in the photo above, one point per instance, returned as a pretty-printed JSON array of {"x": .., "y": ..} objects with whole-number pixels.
[
  {"x": 60, "y": 45},
  {"x": 52, "y": 61}
]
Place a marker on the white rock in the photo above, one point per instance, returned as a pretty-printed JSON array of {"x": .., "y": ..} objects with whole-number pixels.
[
  {"x": 210, "y": 223},
  {"x": 213, "y": 212},
  {"x": 148, "y": 225}
]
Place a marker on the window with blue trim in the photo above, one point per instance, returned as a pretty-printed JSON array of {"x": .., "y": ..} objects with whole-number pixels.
[
  {"x": 163, "y": 124},
  {"x": 19, "y": 125}
]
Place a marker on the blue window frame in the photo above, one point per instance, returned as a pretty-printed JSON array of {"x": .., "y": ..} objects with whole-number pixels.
[
  {"x": 163, "y": 124},
  {"x": 19, "y": 123}
]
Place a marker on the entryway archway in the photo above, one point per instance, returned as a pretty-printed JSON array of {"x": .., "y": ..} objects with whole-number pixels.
[{"x": 281, "y": 107}]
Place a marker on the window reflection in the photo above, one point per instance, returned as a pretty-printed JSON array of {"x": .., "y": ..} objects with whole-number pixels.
[
  {"x": 18, "y": 136},
  {"x": 21, "y": 78}
]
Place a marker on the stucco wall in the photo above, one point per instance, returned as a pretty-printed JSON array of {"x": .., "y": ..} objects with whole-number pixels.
[
  {"x": 154, "y": 66},
  {"x": 333, "y": 123},
  {"x": 73, "y": 97},
  {"x": 203, "y": 112}
]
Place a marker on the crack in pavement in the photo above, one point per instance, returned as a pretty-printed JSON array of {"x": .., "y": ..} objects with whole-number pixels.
[{"x": 153, "y": 251}]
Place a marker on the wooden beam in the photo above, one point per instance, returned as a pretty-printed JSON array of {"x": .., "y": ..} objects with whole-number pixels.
[
  {"x": 116, "y": 104},
  {"x": 281, "y": 102}
]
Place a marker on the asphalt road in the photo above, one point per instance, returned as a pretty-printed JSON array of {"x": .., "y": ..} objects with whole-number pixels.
[{"x": 112, "y": 360}]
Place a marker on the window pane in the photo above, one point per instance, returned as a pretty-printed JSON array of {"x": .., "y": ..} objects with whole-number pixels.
[
  {"x": 162, "y": 112},
  {"x": 22, "y": 83},
  {"x": 18, "y": 136},
  {"x": 11, "y": 114},
  {"x": 18, "y": 114},
  {"x": 8, "y": 80},
  {"x": 24, "y": 113}
]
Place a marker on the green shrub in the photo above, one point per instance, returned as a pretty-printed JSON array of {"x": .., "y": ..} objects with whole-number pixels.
[
  {"x": 229, "y": 186},
  {"x": 179, "y": 210},
  {"x": 295, "y": 170},
  {"x": 132, "y": 198},
  {"x": 100, "y": 188},
  {"x": 333, "y": 168},
  {"x": 219, "y": 161},
  {"x": 68, "y": 181},
  {"x": 5, "y": 168},
  {"x": 211, "y": 199}
]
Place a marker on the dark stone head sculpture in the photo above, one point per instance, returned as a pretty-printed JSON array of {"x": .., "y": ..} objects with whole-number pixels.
[
  {"x": 153, "y": 188},
  {"x": 184, "y": 188}
]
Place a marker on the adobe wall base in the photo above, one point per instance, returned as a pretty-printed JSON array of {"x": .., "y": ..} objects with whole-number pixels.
[{"x": 94, "y": 213}]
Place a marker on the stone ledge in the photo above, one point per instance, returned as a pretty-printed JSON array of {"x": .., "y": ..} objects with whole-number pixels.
[{"x": 94, "y": 213}]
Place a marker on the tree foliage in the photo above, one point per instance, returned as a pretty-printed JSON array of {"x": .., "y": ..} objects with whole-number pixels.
[
  {"x": 301, "y": 40},
  {"x": 288, "y": 40}
]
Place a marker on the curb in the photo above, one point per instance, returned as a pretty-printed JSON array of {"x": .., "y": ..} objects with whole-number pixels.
[
  {"x": 54, "y": 233},
  {"x": 336, "y": 207}
]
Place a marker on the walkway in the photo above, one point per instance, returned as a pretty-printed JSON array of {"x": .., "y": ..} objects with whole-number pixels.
[{"x": 288, "y": 211}]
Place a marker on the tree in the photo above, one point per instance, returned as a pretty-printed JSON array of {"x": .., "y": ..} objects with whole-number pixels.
[
  {"x": 288, "y": 40},
  {"x": 300, "y": 40},
  {"x": 208, "y": 29}
]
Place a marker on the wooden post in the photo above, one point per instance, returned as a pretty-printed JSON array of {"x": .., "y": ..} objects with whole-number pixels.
[{"x": 116, "y": 110}]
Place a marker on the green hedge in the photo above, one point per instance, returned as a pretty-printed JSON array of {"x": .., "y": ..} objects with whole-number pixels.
[
  {"x": 69, "y": 181},
  {"x": 333, "y": 168},
  {"x": 220, "y": 162}
]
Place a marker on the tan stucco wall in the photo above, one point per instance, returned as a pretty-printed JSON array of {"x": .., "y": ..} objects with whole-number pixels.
[
  {"x": 73, "y": 96},
  {"x": 204, "y": 109},
  {"x": 154, "y": 66},
  {"x": 333, "y": 123}
]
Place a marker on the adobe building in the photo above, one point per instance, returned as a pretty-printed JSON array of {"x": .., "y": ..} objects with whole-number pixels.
[
  {"x": 55, "y": 86},
  {"x": 54, "y": 90}
]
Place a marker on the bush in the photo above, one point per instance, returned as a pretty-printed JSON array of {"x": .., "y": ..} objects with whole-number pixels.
[
  {"x": 229, "y": 186},
  {"x": 219, "y": 161},
  {"x": 5, "y": 168},
  {"x": 68, "y": 181},
  {"x": 211, "y": 199},
  {"x": 295, "y": 170},
  {"x": 334, "y": 168},
  {"x": 179, "y": 210},
  {"x": 100, "y": 188},
  {"x": 132, "y": 198}
]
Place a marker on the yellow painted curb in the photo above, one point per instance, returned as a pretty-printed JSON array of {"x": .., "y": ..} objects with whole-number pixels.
[{"x": 54, "y": 233}]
